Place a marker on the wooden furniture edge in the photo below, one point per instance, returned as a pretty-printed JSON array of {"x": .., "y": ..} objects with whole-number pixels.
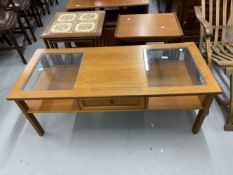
[{"x": 16, "y": 93}]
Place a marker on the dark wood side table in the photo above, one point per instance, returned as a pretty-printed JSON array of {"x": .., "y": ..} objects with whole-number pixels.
[
  {"x": 148, "y": 28},
  {"x": 82, "y": 28},
  {"x": 185, "y": 13}
]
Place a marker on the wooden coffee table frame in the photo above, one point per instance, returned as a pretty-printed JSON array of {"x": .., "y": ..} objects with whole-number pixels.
[
  {"x": 117, "y": 94},
  {"x": 51, "y": 40}
]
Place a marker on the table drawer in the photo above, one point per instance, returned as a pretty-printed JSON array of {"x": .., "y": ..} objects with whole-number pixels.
[{"x": 113, "y": 103}]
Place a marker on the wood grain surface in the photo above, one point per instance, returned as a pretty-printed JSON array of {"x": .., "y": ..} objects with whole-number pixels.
[
  {"x": 114, "y": 72},
  {"x": 148, "y": 26}
]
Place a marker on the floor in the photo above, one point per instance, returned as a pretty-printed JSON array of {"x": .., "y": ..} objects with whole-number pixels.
[{"x": 133, "y": 143}]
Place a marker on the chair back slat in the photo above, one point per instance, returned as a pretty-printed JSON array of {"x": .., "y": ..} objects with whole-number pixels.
[
  {"x": 224, "y": 21},
  {"x": 201, "y": 27},
  {"x": 219, "y": 13},
  {"x": 211, "y": 12},
  {"x": 203, "y": 7},
  {"x": 4, "y": 3},
  {"x": 216, "y": 33},
  {"x": 230, "y": 33}
]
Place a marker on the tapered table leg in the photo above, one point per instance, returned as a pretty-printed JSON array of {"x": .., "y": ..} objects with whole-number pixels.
[
  {"x": 31, "y": 118},
  {"x": 202, "y": 113}
]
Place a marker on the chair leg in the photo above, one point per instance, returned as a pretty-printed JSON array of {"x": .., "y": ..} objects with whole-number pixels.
[
  {"x": 16, "y": 45},
  {"x": 47, "y": 6},
  {"x": 52, "y": 1},
  {"x": 229, "y": 125},
  {"x": 29, "y": 26},
  {"x": 36, "y": 13},
  {"x": 6, "y": 39},
  {"x": 208, "y": 50},
  {"x": 37, "y": 16},
  {"x": 42, "y": 8},
  {"x": 23, "y": 30}
]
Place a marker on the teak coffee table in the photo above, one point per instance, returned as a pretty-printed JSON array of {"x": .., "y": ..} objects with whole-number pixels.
[
  {"x": 78, "y": 27},
  {"x": 124, "y": 78},
  {"x": 148, "y": 27}
]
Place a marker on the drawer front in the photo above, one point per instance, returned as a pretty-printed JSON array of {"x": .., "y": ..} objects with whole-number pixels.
[{"x": 112, "y": 103}]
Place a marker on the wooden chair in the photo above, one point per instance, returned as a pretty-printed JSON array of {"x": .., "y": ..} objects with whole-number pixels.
[
  {"x": 8, "y": 20},
  {"x": 42, "y": 4},
  {"x": 216, "y": 38},
  {"x": 52, "y": 1},
  {"x": 36, "y": 12},
  {"x": 22, "y": 8},
  {"x": 4, "y": 4}
]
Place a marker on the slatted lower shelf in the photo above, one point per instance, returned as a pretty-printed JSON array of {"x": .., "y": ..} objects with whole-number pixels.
[{"x": 154, "y": 103}]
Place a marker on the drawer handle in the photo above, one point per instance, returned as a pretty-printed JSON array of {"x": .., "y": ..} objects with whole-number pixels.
[{"x": 112, "y": 102}]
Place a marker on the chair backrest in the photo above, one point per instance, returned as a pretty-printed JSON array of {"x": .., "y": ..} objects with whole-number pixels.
[
  {"x": 8, "y": 5},
  {"x": 219, "y": 13},
  {"x": 4, "y": 3}
]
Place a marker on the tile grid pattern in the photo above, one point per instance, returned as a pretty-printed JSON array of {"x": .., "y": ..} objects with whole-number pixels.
[{"x": 74, "y": 22}]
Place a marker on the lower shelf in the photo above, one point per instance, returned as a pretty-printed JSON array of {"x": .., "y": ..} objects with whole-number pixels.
[
  {"x": 154, "y": 103},
  {"x": 46, "y": 106},
  {"x": 173, "y": 103}
]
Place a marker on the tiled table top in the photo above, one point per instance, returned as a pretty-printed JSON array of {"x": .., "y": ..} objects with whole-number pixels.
[{"x": 75, "y": 24}]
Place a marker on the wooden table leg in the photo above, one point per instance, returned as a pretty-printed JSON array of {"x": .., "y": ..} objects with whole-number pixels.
[
  {"x": 158, "y": 5},
  {"x": 146, "y": 9},
  {"x": 31, "y": 118},
  {"x": 95, "y": 42},
  {"x": 202, "y": 113},
  {"x": 67, "y": 44},
  {"x": 46, "y": 43},
  {"x": 55, "y": 44},
  {"x": 229, "y": 124},
  {"x": 50, "y": 44},
  {"x": 168, "y": 6},
  {"x": 102, "y": 40}
]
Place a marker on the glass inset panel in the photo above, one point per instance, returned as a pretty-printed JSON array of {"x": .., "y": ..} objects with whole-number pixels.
[
  {"x": 171, "y": 67},
  {"x": 55, "y": 72}
]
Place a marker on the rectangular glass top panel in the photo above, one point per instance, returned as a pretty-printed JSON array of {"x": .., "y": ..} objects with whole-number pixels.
[
  {"x": 171, "y": 67},
  {"x": 55, "y": 72}
]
